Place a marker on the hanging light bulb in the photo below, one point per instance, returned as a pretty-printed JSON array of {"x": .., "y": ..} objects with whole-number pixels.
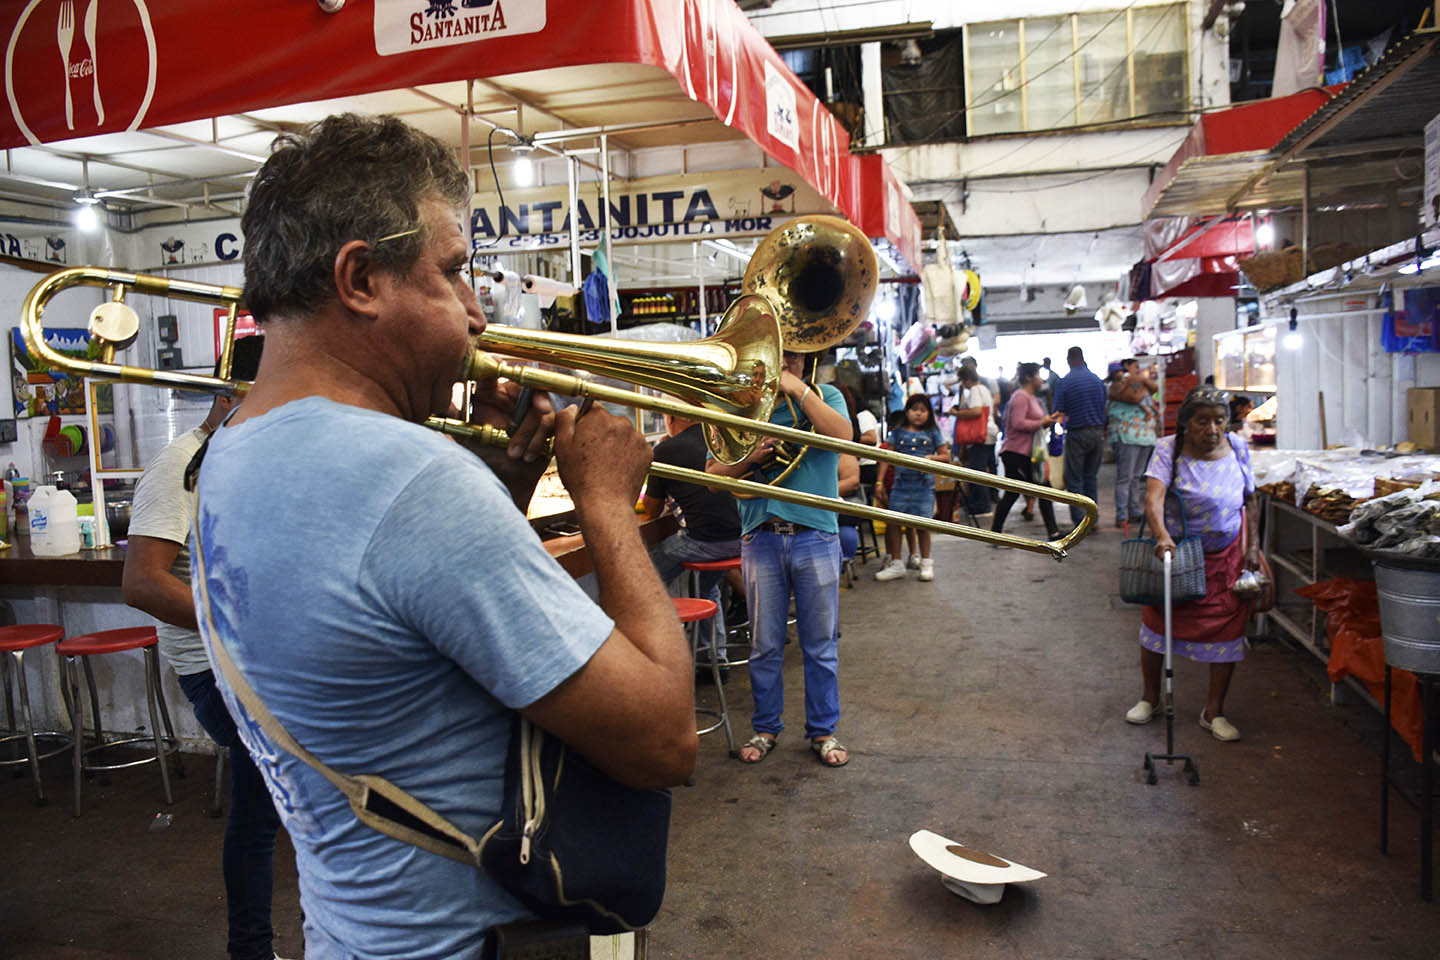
[
  {"x": 524, "y": 166},
  {"x": 885, "y": 308},
  {"x": 1293, "y": 340},
  {"x": 86, "y": 217},
  {"x": 1265, "y": 235}
]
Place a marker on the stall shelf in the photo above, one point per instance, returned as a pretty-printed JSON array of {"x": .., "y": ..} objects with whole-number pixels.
[{"x": 1304, "y": 549}]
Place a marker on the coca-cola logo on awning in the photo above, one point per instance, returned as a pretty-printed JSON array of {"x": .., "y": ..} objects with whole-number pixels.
[
  {"x": 80, "y": 67},
  {"x": 709, "y": 57}
]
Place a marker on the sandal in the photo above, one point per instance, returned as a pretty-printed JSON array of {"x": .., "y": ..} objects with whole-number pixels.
[
  {"x": 823, "y": 749},
  {"x": 759, "y": 742}
]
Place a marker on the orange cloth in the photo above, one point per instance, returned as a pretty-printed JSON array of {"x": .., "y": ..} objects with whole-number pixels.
[{"x": 1357, "y": 649}]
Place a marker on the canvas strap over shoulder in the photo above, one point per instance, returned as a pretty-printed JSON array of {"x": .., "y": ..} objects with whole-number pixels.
[{"x": 375, "y": 801}]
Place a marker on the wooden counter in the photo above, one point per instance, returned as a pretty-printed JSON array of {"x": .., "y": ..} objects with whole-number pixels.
[
  {"x": 104, "y": 566},
  {"x": 100, "y": 567}
]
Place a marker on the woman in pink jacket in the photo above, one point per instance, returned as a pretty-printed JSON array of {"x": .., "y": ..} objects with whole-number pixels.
[{"x": 1023, "y": 416}]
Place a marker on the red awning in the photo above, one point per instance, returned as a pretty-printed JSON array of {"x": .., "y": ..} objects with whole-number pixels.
[
  {"x": 172, "y": 61},
  {"x": 1251, "y": 126},
  {"x": 883, "y": 211}
]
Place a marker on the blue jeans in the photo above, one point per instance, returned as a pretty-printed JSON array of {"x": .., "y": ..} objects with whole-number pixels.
[
  {"x": 1084, "y": 450},
  {"x": 1131, "y": 459},
  {"x": 806, "y": 564},
  {"x": 670, "y": 557},
  {"x": 249, "y": 852}
]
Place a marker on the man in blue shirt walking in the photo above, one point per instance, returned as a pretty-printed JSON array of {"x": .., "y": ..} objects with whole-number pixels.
[{"x": 1081, "y": 398}]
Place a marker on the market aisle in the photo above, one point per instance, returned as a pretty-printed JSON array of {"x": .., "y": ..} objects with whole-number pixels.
[{"x": 988, "y": 706}]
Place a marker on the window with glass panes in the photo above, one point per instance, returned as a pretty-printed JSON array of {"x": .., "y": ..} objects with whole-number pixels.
[{"x": 1045, "y": 73}]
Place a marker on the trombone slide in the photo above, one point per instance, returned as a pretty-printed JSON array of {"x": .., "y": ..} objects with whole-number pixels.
[{"x": 485, "y": 366}]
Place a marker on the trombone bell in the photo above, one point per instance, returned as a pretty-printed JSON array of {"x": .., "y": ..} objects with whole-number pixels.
[{"x": 820, "y": 273}]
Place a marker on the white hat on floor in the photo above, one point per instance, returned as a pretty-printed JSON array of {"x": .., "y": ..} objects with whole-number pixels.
[{"x": 967, "y": 872}]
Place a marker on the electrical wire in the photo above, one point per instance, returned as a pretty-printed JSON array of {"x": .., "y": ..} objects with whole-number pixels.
[
  {"x": 500, "y": 232},
  {"x": 1170, "y": 10}
]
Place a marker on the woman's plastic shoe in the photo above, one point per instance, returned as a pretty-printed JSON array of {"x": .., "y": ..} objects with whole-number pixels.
[
  {"x": 1220, "y": 728},
  {"x": 1142, "y": 712}
]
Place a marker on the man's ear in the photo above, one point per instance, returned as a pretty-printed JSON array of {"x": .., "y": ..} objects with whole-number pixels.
[{"x": 357, "y": 278}]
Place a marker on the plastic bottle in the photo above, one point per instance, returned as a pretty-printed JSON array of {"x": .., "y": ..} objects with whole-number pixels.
[
  {"x": 19, "y": 497},
  {"x": 54, "y": 523}
]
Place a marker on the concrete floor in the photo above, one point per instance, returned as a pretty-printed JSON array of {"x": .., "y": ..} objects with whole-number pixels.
[{"x": 986, "y": 706}]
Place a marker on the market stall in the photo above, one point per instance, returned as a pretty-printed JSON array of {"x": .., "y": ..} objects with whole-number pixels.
[{"x": 633, "y": 111}]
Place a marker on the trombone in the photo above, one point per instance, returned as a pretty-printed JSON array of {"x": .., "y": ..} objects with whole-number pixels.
[{"x": 728, "y": 382}]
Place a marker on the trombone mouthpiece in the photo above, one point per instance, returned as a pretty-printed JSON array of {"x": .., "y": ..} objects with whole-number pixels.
[{"x": 483, "y": 366}]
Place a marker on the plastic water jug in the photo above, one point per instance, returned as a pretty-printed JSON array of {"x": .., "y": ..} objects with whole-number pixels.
[{"x": 54, "y": 523}]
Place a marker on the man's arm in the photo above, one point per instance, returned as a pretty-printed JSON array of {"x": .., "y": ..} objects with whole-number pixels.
[
  {"x": 827, "y": 420},
  {"x": 149, "y": 585},
  {"x": 630, "y": 708},
  {"x": 848, "y": 474}
]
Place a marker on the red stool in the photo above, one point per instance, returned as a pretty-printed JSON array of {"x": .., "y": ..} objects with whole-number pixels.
[
  {"x": 15, "y": 640},
  {"x": 114, "y": 641},
  {"x": 697, "y": 567},
  {"x": 692, "y": 611}
]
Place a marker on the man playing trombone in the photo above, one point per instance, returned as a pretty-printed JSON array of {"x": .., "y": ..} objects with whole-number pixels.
[
  {"x": 790, "y": 549},
  {"x": 376, "y": 584}
]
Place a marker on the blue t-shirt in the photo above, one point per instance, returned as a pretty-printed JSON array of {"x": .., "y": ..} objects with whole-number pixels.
[
  {"x": 818, "y": 473},
  {"x": 915, "y": 443},
  {"x": 379, "y": 590}
]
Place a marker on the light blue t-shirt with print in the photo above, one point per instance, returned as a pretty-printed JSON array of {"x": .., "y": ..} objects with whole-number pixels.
[
  {"x": 818, "y": 473},
  {"x": 379, "y": 590}
]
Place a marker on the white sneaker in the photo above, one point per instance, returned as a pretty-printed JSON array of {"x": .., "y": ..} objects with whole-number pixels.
[
  {"x": 1142, "y": 712},
  {"x": 927, "y": 570},
  {"x": 893, "y": 570},
  {"x": 912, "y": 562},
  {"x": 1220, "y": 728}
]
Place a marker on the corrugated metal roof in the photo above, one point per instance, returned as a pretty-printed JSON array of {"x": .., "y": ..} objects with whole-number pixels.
[
  {"x": 1395, "y": 97},
  {"x": 1382, "y": 112}
]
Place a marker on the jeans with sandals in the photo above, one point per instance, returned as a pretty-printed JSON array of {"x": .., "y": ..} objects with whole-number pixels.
[{"x": 775, "y": 566}]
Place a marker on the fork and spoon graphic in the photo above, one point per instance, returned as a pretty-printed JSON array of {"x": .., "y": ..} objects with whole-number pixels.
[{"x": 64, "y": 37}]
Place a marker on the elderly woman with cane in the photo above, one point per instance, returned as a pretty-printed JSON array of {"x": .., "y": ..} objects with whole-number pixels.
[{"x": 1210, "y": 472}]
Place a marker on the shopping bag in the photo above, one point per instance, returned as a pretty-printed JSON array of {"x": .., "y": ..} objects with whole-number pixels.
[
  {"x": 1142, "y": 574},
  {"x": 972, "y": 430}
]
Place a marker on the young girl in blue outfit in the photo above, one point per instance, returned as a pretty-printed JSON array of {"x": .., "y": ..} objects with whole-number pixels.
[{"x": 913, "y": 492}]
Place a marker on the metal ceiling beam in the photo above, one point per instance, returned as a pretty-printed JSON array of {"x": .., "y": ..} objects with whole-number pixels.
[
  {"x": 110, "y": 162},
  {"x": 206, "y": 144},
  {"x": 916, "y": 30},
  {"x": 577, "y": 133}
]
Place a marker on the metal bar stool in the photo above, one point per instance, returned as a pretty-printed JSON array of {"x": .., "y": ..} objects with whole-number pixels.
[
  {"x": 696, "y": 569},
  {"x": 114, "y": 641},
  {"x": 692, "y": 611},
  {"x": 15, "y": 640}
]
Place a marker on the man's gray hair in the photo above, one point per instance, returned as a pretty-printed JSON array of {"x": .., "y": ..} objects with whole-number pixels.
[{"x": 347, "y": 177}]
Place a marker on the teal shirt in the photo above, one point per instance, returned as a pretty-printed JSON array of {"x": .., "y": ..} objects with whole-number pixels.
[{"x": 818, "y": 473}]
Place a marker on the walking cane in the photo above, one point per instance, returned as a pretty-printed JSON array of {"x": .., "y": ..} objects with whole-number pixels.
[{"x": 1191, "y": 771}]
